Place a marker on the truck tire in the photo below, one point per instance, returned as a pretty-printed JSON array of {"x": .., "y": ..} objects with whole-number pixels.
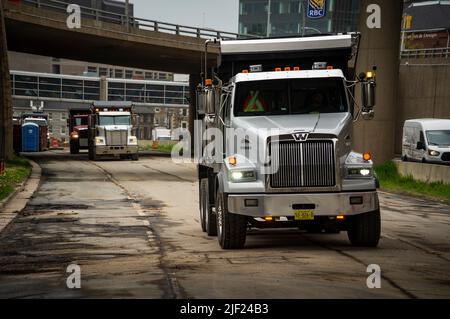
[
  {"x": 210, "y": 217},
  {"x": 364, "y": 229},
  {"x": 92, "y": 155},
  {"x": 231, "y": 228},
  {"x": 201, "y": 202},
  {"x": 74, "y": 149},
  {"x": 135, "y": 157}
]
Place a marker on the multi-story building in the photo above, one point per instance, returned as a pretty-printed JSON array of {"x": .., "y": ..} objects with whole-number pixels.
[
  {"x": 297, "y": 17},
  {"x": 158, "y": 103}
]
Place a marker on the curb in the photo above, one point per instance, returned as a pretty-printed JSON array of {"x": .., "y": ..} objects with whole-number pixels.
[{"x": 16, "y": 201}]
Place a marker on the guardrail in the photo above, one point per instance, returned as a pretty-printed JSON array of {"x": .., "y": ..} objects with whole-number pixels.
[
  {"x": 426, "y": 53},
  {"x": 139, "y": 23}
]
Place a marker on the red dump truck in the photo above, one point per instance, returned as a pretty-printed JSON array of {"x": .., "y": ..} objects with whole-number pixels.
[{"x": 78, "y": 128}]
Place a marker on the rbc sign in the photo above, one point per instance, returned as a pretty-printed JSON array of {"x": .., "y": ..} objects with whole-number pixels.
[{"x": 316, "y": 9}]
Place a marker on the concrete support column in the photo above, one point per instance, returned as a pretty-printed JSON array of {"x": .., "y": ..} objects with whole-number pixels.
[
  {"x": 103, "y": 88},
  {"x": 380, "y": 47},
  {"x": 194, "y": 80},
  {"x": 6, "y": 138}
]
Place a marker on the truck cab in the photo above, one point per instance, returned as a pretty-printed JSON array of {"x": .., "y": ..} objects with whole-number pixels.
[
  {"x": 78, "y": 128},
  {"x": 285, "y": 108},
  {"x": 110, "y": 131}
]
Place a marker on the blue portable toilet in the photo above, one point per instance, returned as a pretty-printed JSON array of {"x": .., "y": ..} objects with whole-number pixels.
[{"x": 30, "y": 137}]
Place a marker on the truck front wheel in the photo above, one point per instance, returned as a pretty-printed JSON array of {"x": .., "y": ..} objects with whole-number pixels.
[
  {"x": 364, "y": 229},
  {"x": 210, "y": 217},
  {"x": 201, "y": 200},
  {"x": 231, "y": 228},
  {"x": 74, "y": 148},
  {"x": 92, "y": 155}
]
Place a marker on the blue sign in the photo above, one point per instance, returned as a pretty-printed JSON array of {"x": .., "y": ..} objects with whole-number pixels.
[{"x": 316, "y": 9}]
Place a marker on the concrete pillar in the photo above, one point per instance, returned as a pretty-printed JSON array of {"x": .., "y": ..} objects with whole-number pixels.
[
  {"x": 6, "y": 137},
  {"x": 380, "y": 47},
  {"x": 103, "y": 88}
]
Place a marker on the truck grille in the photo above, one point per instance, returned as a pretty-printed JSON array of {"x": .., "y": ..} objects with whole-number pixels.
[
  {"x": 304, "y": 164},
  {"x": 116, "y": 138},
  {"x": 83, "y": 133},
  {"x": 446, "y": 157}
]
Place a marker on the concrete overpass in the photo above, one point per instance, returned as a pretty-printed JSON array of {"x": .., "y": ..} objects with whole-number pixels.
[{"x": 39, "y": 27}]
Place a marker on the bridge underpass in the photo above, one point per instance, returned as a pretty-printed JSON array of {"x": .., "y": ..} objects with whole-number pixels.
[{"x": 35, "y": 27}]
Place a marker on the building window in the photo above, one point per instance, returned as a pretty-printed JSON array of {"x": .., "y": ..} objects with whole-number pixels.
[
  {"x": 128, "y": 74},
  {"x": 92, "y": 69},
  {"x": 63, "y": 115},
  {"x": 56, "y": 69},
  {"x": 63, "y": 130},
  {"x": 111, "y": 73},
  {"x": 184, "y": 124},
  {"x": 185, "y": 112},
  {"x": 103, "y": 71},
  {"x": 118, "y": 73},
  {"x": 50, "y": 115},
  {"x": 148, "y": 75}
]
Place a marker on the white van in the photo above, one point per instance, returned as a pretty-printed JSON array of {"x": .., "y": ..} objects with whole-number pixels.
[{"x": 426, "y": 140}]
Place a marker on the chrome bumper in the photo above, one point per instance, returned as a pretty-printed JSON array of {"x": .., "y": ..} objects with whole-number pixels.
[
  {"x": 326, "y": 204},
  {"x": 115, "y": 150}
]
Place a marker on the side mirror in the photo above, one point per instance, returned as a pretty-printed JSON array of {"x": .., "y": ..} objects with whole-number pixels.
[
  {"x": 368, "y": 94},
  {"x": 368, "y": 85},
  {"x": 420, "y": 145},
  {"x": 201, "y": 102}
]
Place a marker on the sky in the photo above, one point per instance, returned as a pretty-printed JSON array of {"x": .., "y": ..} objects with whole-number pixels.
[{"x": 220, "y": 15}]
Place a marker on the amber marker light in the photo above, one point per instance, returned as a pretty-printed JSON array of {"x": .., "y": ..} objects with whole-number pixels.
[
  {"x": 340, "y": 217},
  {"x": 367, "y": 156},
  {"x": 232, "y": 161},
  {"x": 268, "y": 218}
]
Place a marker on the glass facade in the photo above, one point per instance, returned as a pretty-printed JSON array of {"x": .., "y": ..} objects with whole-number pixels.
[
  {"x": 40, "y": 86},
  {"x": 147, "y": 92},
  {"x": 289, "y": 17},
  {"x": 88, "y": 89}
]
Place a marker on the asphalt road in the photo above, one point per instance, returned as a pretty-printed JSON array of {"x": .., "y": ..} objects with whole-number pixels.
[{"x": 133, "y": 228}]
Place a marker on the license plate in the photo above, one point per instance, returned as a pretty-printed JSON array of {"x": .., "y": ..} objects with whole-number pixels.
[{"x": 304, "y": 214}]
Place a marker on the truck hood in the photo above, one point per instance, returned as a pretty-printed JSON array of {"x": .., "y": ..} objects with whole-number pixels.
[
  {"x": 329, "y": 123},
  {"x": 80, "y": 127}
]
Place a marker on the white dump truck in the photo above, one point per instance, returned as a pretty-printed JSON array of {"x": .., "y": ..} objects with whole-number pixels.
[
  {"x": 292, "y": 100},
  {"x": 110, "y": 131}
]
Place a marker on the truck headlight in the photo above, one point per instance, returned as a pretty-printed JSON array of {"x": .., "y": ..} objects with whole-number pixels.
[
  {"x": 239, "y": 176},
  {"x": 99, "y": 140},
  {"x": 433, "y": 153},
  {"x": 132, "y": 140},
  {"x": 356, "y": 172}
]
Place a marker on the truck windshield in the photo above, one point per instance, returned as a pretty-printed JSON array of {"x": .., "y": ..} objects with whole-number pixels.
[
  {"x": 81, "y": 121},
  {"x": 438, "y": 137},
  {"x": 293, "y": 96},
  {"x": 114, "y": 120}
]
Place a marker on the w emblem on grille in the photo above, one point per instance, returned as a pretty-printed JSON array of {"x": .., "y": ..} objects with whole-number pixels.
[{"x": 300, "y": 137}]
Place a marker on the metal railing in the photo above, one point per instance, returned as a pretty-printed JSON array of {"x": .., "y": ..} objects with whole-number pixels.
[
  {"x": 425, "y": 53},
  {"x": 137, "y": 23}
]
